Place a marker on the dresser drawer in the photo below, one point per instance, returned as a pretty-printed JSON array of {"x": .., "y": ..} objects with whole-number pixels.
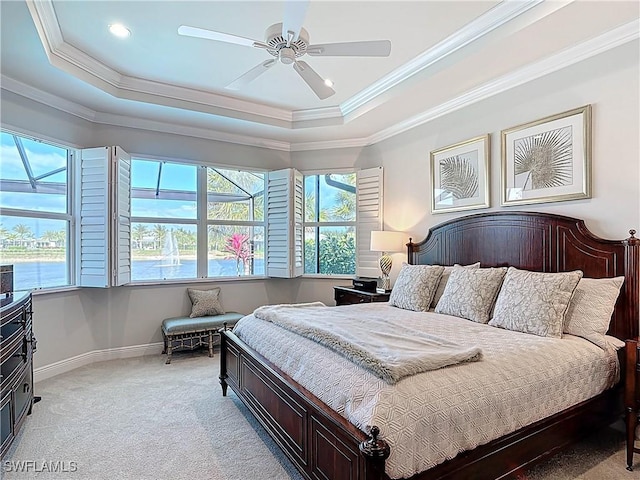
[
  {"x": 14, "y": 323},
  {"x": 6, "y": 421},
  {"x": 23, "y": 394}
]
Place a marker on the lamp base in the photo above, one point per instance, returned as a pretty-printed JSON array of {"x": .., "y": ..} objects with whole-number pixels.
[{"x": 385, "y": 268}]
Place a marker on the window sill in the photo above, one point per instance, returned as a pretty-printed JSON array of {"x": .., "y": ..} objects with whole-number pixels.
[
  {"x": 244, "y": 278},
  {"x": 328, "y": 276}
]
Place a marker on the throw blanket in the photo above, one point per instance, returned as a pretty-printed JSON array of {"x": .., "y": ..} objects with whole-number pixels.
[{"x": 391, "y": 352}]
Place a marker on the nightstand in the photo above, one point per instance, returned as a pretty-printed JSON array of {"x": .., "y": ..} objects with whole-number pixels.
[
  {"x": 348, "y": 296},
  {"x": 632, "y": 397}
]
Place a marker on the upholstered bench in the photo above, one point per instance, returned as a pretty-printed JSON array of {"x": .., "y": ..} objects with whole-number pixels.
[{"x": 190, "y": 333}]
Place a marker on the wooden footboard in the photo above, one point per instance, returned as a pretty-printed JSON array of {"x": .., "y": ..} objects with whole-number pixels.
[{"x": 319, "y": 442}]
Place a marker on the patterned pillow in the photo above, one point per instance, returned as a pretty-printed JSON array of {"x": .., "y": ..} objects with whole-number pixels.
[
  {"x": 205, "y": 302},
  {"x": 534, "y": 302},
  {"x": 591, "y": 307},
  {"x": 443, "y": 281},
  {"x": 415, "y": 286},
  {"x": 470, "y": 293}
]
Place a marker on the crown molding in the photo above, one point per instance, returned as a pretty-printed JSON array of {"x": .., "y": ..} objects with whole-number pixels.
[
  {"x": 93, "y": 116},
  {"x": 619, "y": 36},
  {"x": 570, "y": 56},
  {"x": 502, "y": 13},
  {"x": 77, "y": 63},
  {"x": 190, "y": 131},
  {"x": 48, "y": 99}
]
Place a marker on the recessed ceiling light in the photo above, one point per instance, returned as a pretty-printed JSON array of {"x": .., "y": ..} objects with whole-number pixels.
[
  {"x": 119, "y": 30},
  {"x": 328, "y": 82}
]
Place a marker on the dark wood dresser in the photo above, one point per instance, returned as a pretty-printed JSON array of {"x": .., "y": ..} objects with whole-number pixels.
[
  {"x": 348, "y": 296},
  {"x": 18, "y": 345}
]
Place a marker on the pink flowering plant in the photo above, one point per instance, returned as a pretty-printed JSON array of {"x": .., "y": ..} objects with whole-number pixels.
[{"x": 239, "y": 248}]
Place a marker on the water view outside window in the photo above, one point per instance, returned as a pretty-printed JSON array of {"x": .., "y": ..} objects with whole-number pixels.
[
  {"x": 330, "y": 224},
  {"x": 235, "y": 222},
  {"x": 35, "y": 218},
  {"x": 165, "y": 223}
]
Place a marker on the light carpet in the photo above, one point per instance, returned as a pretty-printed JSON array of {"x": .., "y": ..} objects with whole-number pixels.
[{"x": 141, "y": 419}]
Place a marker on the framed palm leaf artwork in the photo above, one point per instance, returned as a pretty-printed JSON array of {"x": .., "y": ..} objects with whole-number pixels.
[
  {"x": 460, "y": 176},
  {"x": 548, "y": 160}
]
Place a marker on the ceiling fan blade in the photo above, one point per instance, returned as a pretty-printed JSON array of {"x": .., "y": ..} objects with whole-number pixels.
[
  {"x": 315, "y": 81},
  {"x": 251, "y": 75},
  {"x": 294, "y": 13},
  {"x": 219, "y": 36},
  {"x": 373, "y": 48}
]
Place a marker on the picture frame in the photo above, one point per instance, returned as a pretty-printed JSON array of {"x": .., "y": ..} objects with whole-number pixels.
[
  {"x": 547, "y": 160},
  {"x": 460, "y": 176}
]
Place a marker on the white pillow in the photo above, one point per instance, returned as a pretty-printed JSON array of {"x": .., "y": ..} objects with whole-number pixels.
[
  {"x": 471, "y": 292},
  {"x": 534, "y": 302},
  {"x": 591, "y": 307},
  {"x": 444, "y": 279},
  {"x": 415, "y": 286}
]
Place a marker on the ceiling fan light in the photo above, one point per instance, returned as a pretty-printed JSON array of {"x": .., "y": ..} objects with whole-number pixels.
[
  {"x": 328, "y": 82},
  {"x": 287, "y": 55},
  {"x": 119, "y": 30}
]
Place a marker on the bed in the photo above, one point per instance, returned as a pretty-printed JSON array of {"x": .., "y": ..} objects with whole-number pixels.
[{"x": 323, "y": 444}]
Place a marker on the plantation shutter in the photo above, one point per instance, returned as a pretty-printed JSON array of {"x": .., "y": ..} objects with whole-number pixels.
[
  {"x": 121, "y": 239},
  {"x": 104, "y": 257},
  {"x": 284, "y": 224},
  {"x": 369, "y": 204}
]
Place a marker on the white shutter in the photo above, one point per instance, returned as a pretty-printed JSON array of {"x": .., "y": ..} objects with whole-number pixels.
[
  {"x": 284, "y": 224},
  {"x": 369, "y": 203},
  {"x": 104, "y": 229},
  {"x": 121, "y": 238}
]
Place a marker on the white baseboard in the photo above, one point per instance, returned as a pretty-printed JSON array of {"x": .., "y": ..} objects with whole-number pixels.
[{"x": 63, "y": 366}]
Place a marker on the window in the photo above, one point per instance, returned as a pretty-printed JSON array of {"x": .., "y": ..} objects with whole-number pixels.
[
  {"x": 330, "y": 224},
  {"x": 235, "y": 222},
  {"x": 148, "y": 220},
  {"x": 166, "y": 242},
  {"x": 35, "y": 222}
]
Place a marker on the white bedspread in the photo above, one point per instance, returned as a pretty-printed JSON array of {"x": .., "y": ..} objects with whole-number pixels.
[{"x": 431, "y": 417}]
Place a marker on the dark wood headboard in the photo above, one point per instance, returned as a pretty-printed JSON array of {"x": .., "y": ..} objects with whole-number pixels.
[{"x": 540, "y": 242}]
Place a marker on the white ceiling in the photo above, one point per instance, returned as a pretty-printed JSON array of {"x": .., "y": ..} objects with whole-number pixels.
[{"x": 444, "y": 55}]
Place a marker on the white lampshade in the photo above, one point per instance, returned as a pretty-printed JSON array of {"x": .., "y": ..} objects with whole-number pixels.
[{"x": 385, "y": 241}]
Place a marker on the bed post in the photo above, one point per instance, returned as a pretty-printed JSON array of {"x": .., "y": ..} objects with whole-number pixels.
[
  {"x": 223, "y": 359},
  {"x": 410, "y": 251},
  {"x": 632, "y": 283},
  {"x": 376, "y": 451}
]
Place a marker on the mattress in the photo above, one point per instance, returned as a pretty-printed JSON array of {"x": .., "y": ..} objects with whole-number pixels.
[{"x": 431, "y": 417}]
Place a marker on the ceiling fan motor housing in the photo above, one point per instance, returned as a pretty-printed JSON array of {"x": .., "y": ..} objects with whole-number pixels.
[{"x": 278, "y": 44}]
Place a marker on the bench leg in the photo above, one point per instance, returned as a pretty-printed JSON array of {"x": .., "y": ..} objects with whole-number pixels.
[
  {"x": 169, "y": 347},
  {"x": 210, "y": 344}
]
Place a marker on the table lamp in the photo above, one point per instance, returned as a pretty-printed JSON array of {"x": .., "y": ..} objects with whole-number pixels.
[{"x": 387, "y": 242}]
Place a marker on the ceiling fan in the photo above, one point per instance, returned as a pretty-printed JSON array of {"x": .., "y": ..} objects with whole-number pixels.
[{"x": 287, "y": 41}]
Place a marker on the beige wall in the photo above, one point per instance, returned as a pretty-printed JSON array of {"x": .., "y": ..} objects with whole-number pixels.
[{"x": 73, "y": 323}]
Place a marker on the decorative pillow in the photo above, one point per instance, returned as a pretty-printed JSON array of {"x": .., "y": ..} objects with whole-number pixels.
[
  {"x": 534, "y": 302},
  {"x": 415, "y": 286},
  {"x": 205, "y": 302},
  {"x": 471, "y": 292},
  {"x": 443, "y": 281},
  {"x": 591, "y": 307}
]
